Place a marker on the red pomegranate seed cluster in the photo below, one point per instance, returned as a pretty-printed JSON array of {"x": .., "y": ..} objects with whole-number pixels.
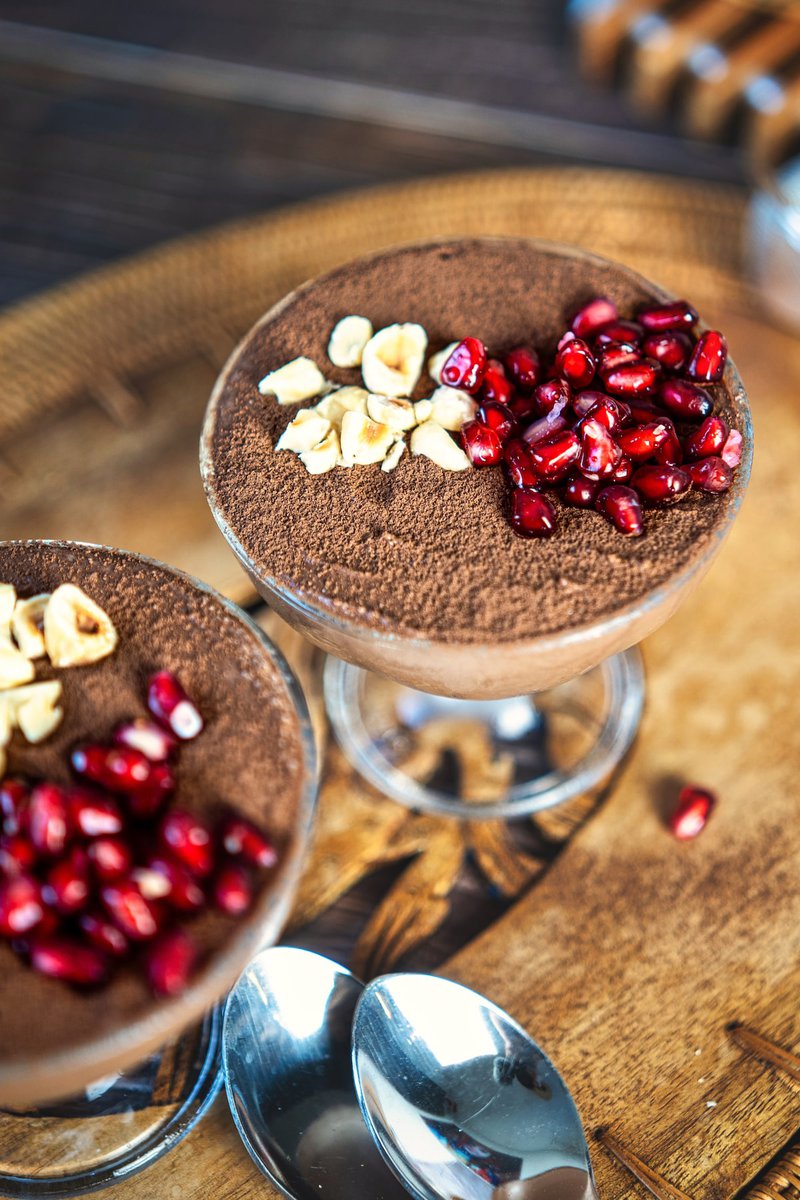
[
  {"x": 620, "y": 419},
  {"x": 96, "y": 872}
]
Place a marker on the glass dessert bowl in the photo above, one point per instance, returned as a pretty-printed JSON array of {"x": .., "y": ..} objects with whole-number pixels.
[
  {"x": 56, "y": 1040},
  {"x": 429, "y": 605}
]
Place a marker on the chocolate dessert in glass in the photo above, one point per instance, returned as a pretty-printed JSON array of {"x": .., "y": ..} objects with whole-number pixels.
[{"x": 477, "y": 473}]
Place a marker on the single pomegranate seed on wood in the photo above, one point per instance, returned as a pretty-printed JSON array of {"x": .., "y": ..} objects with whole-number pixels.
[
  {"x": 707, "y": 363},
  {"x": 553, "y": 456},
  {"x": 670, "y": 348},
  {"x": 710, "y": 474},
  {"x": 631, "y": 379},
  {"x": 117, "y": 768},
  {"x": 169, "y": 703},
  {"x": 641, "y": 441},
  {"x": 552, "y": 396},
  {"x": 583, "y": 402},
  {"x": 482, "y": 445},
  {"x": 677, "y": 315},
  {"x": 731, "y": 452},
  {"x": 519, "y": 464},
  {"x": 580, "y": 491},
  {"x": 532, "y": 514},
  {"x": 465, "y": 367},
  {"x": 21, "y": 905},
  {"x": 695, "y": 805},
  {"x": 233, "y": 891},
  {"x": 17, "y": 854},
  {"x": 524, "y": 368},
  {"x": 153, "y": 741},
  {"x": 67, "y": 959},
  {"x": 496, "y": 386},
  {"x": 619, "y": 331},
  {"x": 189, "y": 840},
  {"x": 66, "y": 886},
  {"x": 621, "y": 506},
  {"x": 709, "y": 438},
  {"x": 147, "y": 801},
  {"x": 661, "y": 485},
  {"x": 138, "y": 918},
  {"x": 593, "y": 316},
  {"x": 599, "y": 452},
  {"x": 47, "y": 819},
  {"x": 242, "y": 837},
  {"x": 110, "y": 857},
  {"x": 686, "y": 400},
  {"x": 14, "y": 797},
  {"x": 180, "y": 889},
  {"x": 169, "y": 962},
  {"x": 103, "y": 935},
  {"x": 575, "y": 362},
  {"x": 497, "y": 417},
  {"x": 93, "y": 815}
]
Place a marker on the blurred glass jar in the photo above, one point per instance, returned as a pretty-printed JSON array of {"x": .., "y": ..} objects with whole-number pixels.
[{"x": 772, "y": 233}]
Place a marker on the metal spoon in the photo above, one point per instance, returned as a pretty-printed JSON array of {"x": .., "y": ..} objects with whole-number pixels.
[
  {"x": 288, "y": 1074},
  {"x": 462, "y": 1103}
]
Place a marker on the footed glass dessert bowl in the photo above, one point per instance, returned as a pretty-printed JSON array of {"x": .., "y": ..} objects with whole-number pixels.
[
  {"x": 404, "y": 562},
  {"x": 156, "y": 796}
]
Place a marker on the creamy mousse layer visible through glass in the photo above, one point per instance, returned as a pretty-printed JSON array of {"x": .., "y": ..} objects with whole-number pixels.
[
  {"x": 416, "y": 573},
  {"x": 252, "y": 757}
]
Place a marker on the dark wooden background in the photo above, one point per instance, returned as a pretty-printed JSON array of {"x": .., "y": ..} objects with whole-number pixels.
[{"x": 125, "y": 124}]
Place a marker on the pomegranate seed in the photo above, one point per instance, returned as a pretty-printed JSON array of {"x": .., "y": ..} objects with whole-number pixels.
[
  {"x": 153, "y": 741},
  {"x": 496, "y": 387},
  {"x": 583, "y": 402},
  {"x": 169, "y": 703},
  {"x": 670, "y": 452},
  {"x": 93, "y": 815},
  {"x": 104, "y": 936},
  {"x": 169, "y": 962},
  {"x": 13, "y": 803},
  {"x": 643, "y": 411},
  {"x": 544, "y": 427},
  {"x": 241, "y": 837},
  {"x": 622, "y": 471},
  {"x": 642, "y": 441},
  {"x": 677, "y": 315},
  {"x": 233, "y": 892},
  {"x": 553, "y": 456},
  {"x": 532, "y": 514},
  {"x": 686, "y": 400},
  {"x": 707, "y": 363},
  {"x": 589, "y": 319},
  {"x": 609, "y": 412},
  {"x": 670, "y": 348},
  {"x": 148, "y": 801},
  {"x": 575, "y": 362},
  {"x": 731, "y": 452},
  {"x": 580, "y": 491},
  {"x": 518, "y": 463},
  {"x": 464, "y": 368},
  {"x": 522, "y": 408},
  {"x": 620, "y": 505},
  {"x": 180, "y": 889},
  {"x": 21, "y": 905},
  {"x": 47, "y": 819},
  {"x": 552, "y": 396},
  {"x": 497, "y": 417},
  {"x": 64, "y": 958},
  {"x": 118, "y": 768},
  {"x": 524, "y": 367},
  {"x": 17, "y": 854},
  {"x": 482, "y": 445},
  {"x": 110, "y": 857},
  {"x": 619, "y": 331},
  {"x": 631, "y": 379},
  {"x": 710, "y": 474},
  {"x": 599, "y": 452},
  {"x": 661, "y": 485},
  {"x": 66, "y": 887},
  {"x": 617, "y": 354},
  {"x": 708, "y": 439},
  {"x": 695, "y": 805},
  {"x": 189, "y": 839},
  {"x": 138, "y": 918}
]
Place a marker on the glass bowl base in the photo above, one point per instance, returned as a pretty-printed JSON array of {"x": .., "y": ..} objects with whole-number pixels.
[
  {"x": 115, "y": 1128},
  {"x": 486, "y": 758}
]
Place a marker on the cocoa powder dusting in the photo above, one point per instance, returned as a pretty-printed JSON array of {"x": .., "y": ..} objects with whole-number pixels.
[
  {"x": 422, "y": 551},
  {"x": 249, "y": 755}
]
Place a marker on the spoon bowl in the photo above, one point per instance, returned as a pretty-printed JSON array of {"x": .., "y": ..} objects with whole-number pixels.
[
  {"x": 288, "y": 1074},
  {"x": 459, "y": 1098}
]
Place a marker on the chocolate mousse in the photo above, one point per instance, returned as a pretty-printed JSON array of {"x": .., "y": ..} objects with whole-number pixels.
[
  {"x": 420, "y": 551},
  {"x": 251, "y": 758}
]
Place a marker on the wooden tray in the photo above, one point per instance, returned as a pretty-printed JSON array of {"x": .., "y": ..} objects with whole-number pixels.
[{"x": 632, "y": 954}]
